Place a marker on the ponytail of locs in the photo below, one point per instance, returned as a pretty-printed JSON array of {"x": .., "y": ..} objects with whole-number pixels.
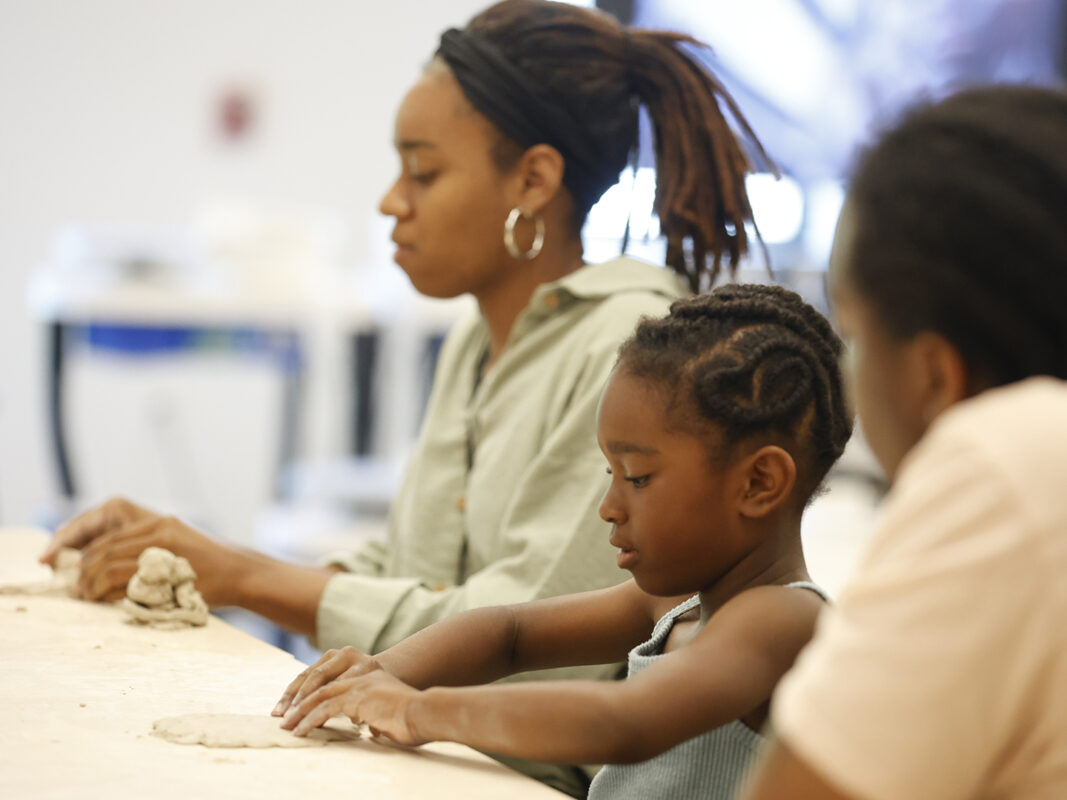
[{"x": 574, "y": 78}]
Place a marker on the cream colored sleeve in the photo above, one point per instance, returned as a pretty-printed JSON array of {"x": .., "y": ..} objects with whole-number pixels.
[
  {"x": 552, "y": 542},
  {"x": 916, "y": 681}
]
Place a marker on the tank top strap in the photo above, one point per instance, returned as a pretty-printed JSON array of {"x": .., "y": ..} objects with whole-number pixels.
[
  {"x": 814, "y": 587},
  {"x": 666, "y": 622}
]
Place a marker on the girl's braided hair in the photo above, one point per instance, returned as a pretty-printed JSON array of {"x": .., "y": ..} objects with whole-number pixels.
[{"x": 753, "y": 363}]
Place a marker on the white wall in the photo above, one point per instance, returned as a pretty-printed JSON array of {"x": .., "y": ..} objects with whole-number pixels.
[{"x": 107, "y": 115}]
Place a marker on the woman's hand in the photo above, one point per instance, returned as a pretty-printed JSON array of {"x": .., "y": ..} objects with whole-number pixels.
[
  {"x": 112, "y": 536},
  {"x": 348, "y": 662},
  {"x": 377, "y": 699}
]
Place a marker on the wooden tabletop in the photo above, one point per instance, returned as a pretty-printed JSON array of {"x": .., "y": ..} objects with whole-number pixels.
[{"x": 80, "y": 689}]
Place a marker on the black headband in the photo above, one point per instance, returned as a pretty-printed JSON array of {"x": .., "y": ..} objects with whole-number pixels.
[{"x": 499, "y": 90}]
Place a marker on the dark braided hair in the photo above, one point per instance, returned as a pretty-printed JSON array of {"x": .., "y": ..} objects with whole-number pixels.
[
  {"x": 753, "y": 363},
  {"x": 601, "y": 71},
  {"x": 961, "y": 228}
]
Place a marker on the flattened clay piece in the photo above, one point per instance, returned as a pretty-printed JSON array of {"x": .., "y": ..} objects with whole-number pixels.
[{"x": 242, "y": 730}]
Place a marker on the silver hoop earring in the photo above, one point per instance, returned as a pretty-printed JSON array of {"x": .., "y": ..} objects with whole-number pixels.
[{"x": 509, "y": 235}]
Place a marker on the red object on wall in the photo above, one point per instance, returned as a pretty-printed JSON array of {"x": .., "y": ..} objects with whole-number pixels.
[{"x": 236, "y": 114}]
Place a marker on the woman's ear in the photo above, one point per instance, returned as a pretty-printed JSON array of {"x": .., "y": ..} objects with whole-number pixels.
[
  {"x": 539, "y": 176},
  {"x": 767, "y": 479}
]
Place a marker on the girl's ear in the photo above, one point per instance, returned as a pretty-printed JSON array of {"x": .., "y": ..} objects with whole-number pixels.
[{"x": 768, "y": 476}]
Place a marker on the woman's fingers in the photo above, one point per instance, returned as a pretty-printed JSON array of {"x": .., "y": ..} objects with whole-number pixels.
[
  {"x": 83, "y": 529},
  {"x": 106, "y": 583},
  {"x": 110, "y": 560},
  {"x": 213, "y": 563}
]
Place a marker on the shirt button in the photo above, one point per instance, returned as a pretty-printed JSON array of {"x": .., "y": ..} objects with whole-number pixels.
[
  {"x": 461, "y": 503},
  {"x": 551, "y": 300}
]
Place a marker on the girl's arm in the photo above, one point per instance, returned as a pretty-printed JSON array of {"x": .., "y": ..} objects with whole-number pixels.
[
  {"x": 728, "y": 670},
  {"x": 485, "y": 644}
]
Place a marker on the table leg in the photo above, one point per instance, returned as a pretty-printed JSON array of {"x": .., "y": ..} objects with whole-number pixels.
[{"x": 56, "y": 334}]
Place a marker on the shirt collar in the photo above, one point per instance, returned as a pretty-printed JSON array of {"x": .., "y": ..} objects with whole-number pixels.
[{"x": 597, "y": 281}]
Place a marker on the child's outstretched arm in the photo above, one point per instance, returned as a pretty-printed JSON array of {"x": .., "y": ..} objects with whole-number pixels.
[
  {"x": 726, "y": 672},
  {"x": 479, "y": 646}
]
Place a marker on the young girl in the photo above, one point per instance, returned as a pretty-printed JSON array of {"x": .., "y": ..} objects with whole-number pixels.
[
  {"x": 718, "y": 423},
  {"x": 942, "y": 671}
]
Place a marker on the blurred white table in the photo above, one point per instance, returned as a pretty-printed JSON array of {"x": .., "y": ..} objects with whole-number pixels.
[
  {"x": 80, "y": 689},
  {"x": 285, "y": 324}
]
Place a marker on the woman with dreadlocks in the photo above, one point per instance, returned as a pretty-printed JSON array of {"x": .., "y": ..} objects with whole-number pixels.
[{"x": 515, "y": 128}]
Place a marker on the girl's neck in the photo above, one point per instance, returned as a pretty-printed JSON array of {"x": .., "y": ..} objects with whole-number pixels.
[
  {"x": 502, "y": 302},
  {"x": 778, "y": 560}
]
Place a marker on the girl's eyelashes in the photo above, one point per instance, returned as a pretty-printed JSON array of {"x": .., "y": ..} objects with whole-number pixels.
[
  {"x": 423, "y": 178},
  {"x": 638, "y": 481}
]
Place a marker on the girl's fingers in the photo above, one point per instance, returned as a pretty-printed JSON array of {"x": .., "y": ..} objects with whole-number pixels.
[
  {"x": 299, "y": 709},
  {"x": 317, "y": 678},
  {"x": 338, "y": 665},
  {"x": 330, "y": 665},
  {"x": 319, "y": 715},
  {"x": 290, "y": 692}
]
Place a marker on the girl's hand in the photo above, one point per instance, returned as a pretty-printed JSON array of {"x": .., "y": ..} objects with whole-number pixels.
[
  {"x": 377, "y": 699},
  {"x": 348, "y": 662}
]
